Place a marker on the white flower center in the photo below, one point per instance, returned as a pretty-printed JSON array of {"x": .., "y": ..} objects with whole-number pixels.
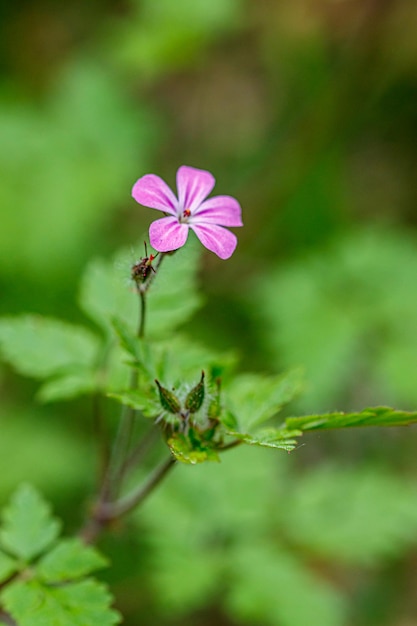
[{"x": 184, "y": 216}]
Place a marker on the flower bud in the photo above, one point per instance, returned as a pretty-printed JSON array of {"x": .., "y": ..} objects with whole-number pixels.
[
  {"x": 195, "y": 398},
  {"x": 169, "y": 401}
]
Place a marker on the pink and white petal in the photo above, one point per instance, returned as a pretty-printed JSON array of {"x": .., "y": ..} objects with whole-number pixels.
[
  {"x": 153, "y": 192},
  {"x": 193, "y": 186},
  {"x": 167, "y": 234},
  {"x": 217, "y": 239},
  {"x": 221, "y": 210}
]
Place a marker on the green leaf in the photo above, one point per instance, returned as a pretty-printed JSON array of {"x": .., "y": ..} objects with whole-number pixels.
[
  {"x": 183, "y": 451},
  {"x": 377, "y": 416},
  {"x": 270, "y": 438},
  {"x": 255, "y": 398},
  {"x": 68, "y": 560},
  {"x": 69, "y": 386},
  {"x": 28, "y": 528},
  {"x": 173, "y": 298},
  {"x": 83, "y": 603},
  {"x": 142, "y": 400},
  {"x": 40, "y": 346},
  {"x": 7, "y": 566},
  {"x": 107, "y": 292}
]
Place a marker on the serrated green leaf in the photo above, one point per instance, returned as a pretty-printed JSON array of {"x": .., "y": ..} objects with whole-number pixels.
[
  {"x": 69, "y": 386},
  {"x": 28, "y": 527},
  {"x": 377, "y": 416},
  {"x": 84, "y": 603},
  {"x": 184, "y": 452},
  {"x": 141, "y": 400},
  {"x": 106, "y": 293},
  {"x": 254, "y": 398},
  {"x": 7, "y": 566},
  {"x": 270, "y": 438},
  {"x": 68, "y": 560},
  {"x": 40, "y": 346}
]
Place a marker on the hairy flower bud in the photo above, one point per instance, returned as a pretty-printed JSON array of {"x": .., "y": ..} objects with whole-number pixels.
[
  {"x": 169, "y": 401},
  {"x": 195, "y": 398}
]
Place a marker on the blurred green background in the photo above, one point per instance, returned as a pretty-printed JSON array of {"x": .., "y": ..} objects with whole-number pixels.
[{"x": 306, "y": 111}]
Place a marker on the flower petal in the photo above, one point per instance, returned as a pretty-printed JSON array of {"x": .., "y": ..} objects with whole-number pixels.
[
  {"x": 193, "y": 186},
  {"x": 217, "y": 239},
  {"x": 153, "y": 192},
  {"x": 167, "y": 234},
  {"x": 221, "y": 210}
]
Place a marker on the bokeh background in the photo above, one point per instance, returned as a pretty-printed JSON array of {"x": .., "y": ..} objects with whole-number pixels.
[{"x": 306, "y": 111}]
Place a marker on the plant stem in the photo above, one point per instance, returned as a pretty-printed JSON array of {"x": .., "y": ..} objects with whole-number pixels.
[
  {"x": 119, "y": 461},
  {"x": 105, "y": 513},
  {"x": 136, "y": 496}
]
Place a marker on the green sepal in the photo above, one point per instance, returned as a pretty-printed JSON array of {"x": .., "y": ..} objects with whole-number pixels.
[
  {"x": 195, "y": 397},
  {"x": 169, "y": 400}
]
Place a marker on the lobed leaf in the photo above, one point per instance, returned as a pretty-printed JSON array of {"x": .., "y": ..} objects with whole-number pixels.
[
  {"x": 68, "y": 386},
  {"x": 377, "y": 416},
  {"x": 68, "y": 560},
  {"x": 83, "y": 603},
  {"x": 270, "y": 438},
  {"x": 105, "y": 292},
  {"x": 139, "y": 399},
  {"x": 7, "y": 566},
  {"x": 28, "y": 527},
  {"x": 254, "y": 398},
  {"x": 41, "y": 347}
]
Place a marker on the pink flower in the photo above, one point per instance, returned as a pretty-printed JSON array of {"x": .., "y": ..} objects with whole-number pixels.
[{"x": 190, "y": 210}]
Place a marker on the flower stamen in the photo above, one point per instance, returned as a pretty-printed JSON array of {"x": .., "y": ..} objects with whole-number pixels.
[{"x": 185, "y": 215}]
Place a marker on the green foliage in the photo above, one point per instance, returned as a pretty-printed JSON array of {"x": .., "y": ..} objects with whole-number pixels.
[
  {"x": 254, "y": 399},
  {"x": 273, "y": 587},
  {"x": 47, "y": 449},
  {"x": 106, "y": 295},
  {"x": 349, "y": 314},
  {"x": 191, "y": 450},
  {"x": 162, "y": 35},
  {"x": 28, "y": 527},
  {"x": 276, "y": 542},
  {"x": 41, "y": 347},
  {"x": 270, "y": 438},
  {"x": 377, "y": 416},
  {"x": 79, "y": 154},
  {"x": 57, "y": 587},
  {"x": 356, "y": 516},
  {"x": 70, "y": 559}
]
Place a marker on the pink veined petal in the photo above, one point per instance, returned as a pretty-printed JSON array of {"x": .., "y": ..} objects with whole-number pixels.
[
  {"x": 217, "y": 239},
  {"x": 193, "y": 186},
  {"x": 167, "y": 234},
  {"x": 220, "y": 210},
  {"x": 153, "y": 192}
]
